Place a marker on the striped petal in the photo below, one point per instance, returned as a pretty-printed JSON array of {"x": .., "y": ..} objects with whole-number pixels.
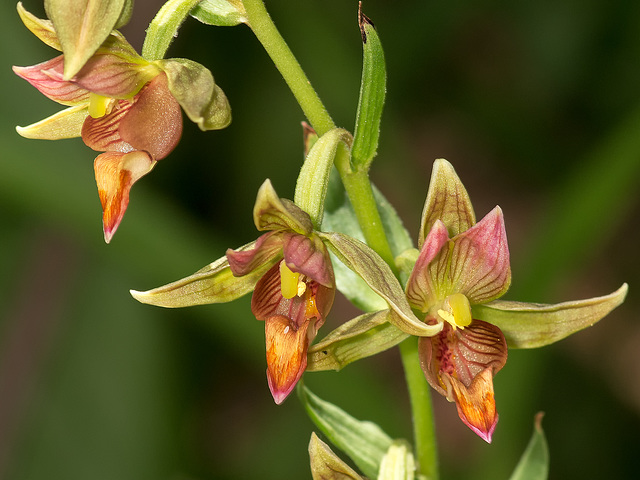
[{"x": 47, "y": 78}]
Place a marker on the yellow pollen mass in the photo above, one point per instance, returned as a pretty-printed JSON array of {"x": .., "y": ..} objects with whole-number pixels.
[
  {"x": 456, "y": 310},
  {"x": 98, "y": 105},
  {"x": 288, "y": 281}
]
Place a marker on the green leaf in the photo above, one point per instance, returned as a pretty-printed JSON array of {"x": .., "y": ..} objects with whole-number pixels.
[
  {"x": 313, "y": 180},
  {"x": 372, "y": 94},
  {"x": 212, "y": 284},
  {"x": 221, "y": 13},
  {"x": 361, "y": 337},
  {"x": 326, "y": 465},
  {"x": 532, "y": 325},
  {"x": 82, "y": 26},
  {"x": 164, "y": 27},
  {"x": 534, "y": 463},
  {"x": 363, "y": 441}
]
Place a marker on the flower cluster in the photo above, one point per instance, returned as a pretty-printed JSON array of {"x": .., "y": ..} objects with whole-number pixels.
[{"x": 123, "y": 105}]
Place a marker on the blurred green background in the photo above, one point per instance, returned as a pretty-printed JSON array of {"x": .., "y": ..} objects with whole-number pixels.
[{"x": 537, "y": 105}]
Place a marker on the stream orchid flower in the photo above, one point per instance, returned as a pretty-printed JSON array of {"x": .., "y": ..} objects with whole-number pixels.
[
  {"x": 122, "y": 105},
  {"x": 290, "y": 272}
]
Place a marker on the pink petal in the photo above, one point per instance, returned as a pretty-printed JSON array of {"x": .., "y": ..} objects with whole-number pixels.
[
  {"x": 265, "y": 250},
  {"x": 480, "y": 260},
  {"x": 47, "y": 78},
  {"x": 115, "y": 175},
  {"x": 286, "y": 346},
  {"x": 309, "y": 257},
  {"x": 113, "y": 76},
  {"x": 422, "y": 286},
  {"x": 154, "y": 123}
]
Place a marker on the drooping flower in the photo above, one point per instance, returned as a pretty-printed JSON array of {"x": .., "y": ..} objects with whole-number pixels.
[
  {"x": 290, "y": 271},
  {"x": 122, "y": 105}
]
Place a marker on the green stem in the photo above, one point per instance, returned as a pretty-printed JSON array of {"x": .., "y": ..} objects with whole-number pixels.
[
  {"x": 275, "y": 46},
  {"x": 420, "y": 398},
  {"x": 164, "y": 27}
]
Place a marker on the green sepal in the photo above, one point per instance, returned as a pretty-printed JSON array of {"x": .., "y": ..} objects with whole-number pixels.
[
  {"x": 81, "y": 27},
  {"x": 398, "y": 463},
  {"x": 364, "y": 442},
  {"x": 66, "y": 123},
  {"x": 532, "y": 325},
  {"x": 221, "y": 13},
  {"x": 313, "y": 180},
  {"x": 372, "y": 94},
  {"x": 366, "y": 263},
  {"x": 194, "y": 88},
  {"x": 326, "y": 465},
  {"x": 360, "y": 337},
  {"x": 212, "y": 284},
  {"x": 534, "y": 463},
  {"x": 43, "y": 29},
  {"x": 448, "y": 201},
  {"x": 340, "y": 217},
  {"x": 125, "y": 14},
  {"x": 271, "y": 212}
]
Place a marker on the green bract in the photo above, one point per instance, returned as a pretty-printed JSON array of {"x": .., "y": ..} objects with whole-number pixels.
[{"x": 222, "y": 13}]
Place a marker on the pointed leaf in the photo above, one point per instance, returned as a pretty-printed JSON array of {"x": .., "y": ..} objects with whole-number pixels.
[
  {"x": 212, "y": 284},
  {"x": 447, "y": 200},
  {"x": 361, "y": 259},
  {"x": 361, "y": 337},
  {"x": 363, "y": 441},
  {"x": 313, "y": 180},
  {"x": 398, "y": 463},
  {"x": 534, "y": 463},
  {"x": 64, "y": 124},
  {"x": 326, "y": 465},
  {"x": 532, "y": 325},
  {"x": 222, "y": 13},
  {"x": 82, "y": 26},
  {"x": 372, "y": 94}
]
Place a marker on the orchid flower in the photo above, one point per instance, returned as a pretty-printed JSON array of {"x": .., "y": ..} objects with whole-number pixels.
[
  {"x": 122, "y": 105},
  {"x": 290, "y": 272}
]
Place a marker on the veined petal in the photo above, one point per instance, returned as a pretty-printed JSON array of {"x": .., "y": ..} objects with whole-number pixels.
[
  {"x": 309, "y": 257},
  {"x": 115, "y": 175},
  {"x": 64, "y": 124},
  {"x": 43, "y": 29},
  {"x": 286, "y": 354},
  {"x": 114, "y": 76},
  {"x": 476, "y": 404},
  {"x": 103, "y": 134},
  {"x": 263, "y": 252},
  {"x": 461, "y": 354},
  {"x": 214, "y": 283},
  {"x": 365, "y": 262},
  {"x": 154, "y": 122},
  {"x": 532, "y": 325},
  {"x": 271, "y": 212},
  {"x": 47, "y": 78},
  {"x": 480, "y": 260},
  {"x": 448, "y": 201},
  {"x": 423, "y": 286}
]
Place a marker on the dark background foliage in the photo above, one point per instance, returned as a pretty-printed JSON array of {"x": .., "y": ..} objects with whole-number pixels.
[{"x": 535, "y": 103}]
